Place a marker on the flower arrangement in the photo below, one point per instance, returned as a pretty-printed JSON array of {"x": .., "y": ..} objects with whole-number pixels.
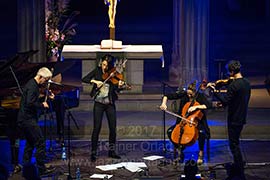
[{"x": 59, "y": 26}]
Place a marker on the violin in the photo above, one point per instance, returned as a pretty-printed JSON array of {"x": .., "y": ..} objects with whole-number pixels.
[
  {"x": 115, "y": 74},
  {"x": 51, "y": 87},
  {"x": 114, "y": 77},
  {"x": 223, "y": 82},
  {"x": 46, "y": 91}
]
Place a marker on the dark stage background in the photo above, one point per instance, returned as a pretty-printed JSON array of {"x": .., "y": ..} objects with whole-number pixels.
[{"x": 238, "y": 29}]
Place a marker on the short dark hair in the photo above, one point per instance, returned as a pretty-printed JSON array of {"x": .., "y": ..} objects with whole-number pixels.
[{"x": 234, "y": 66}]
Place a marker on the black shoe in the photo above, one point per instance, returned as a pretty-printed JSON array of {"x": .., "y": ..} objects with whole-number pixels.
[
  {"x": 112, "y": 154},
  {"x": 17, "y": 169},
  {"x": 93, "y": 157}
]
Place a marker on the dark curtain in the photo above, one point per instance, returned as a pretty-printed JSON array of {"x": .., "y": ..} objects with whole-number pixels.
[
  {"x": 190, "y": 41},
  {"x": 31, "y": 28}
]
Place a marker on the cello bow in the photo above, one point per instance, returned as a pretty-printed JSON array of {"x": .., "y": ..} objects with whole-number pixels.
[{"x": 176, "y": 115}]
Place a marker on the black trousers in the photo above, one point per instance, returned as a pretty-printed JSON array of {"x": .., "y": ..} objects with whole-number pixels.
[
  {"x": 34, "y": 139},
  {"x": 110, "y": 112},
  {"x": 234, "y": 132},
  {"x": 204, "y": 133}
]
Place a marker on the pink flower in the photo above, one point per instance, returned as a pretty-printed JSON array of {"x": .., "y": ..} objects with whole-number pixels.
[{"x": 56, "y": 37}]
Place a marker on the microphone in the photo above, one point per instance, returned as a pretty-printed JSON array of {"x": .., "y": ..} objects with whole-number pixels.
[{"x": 53, "y": 82}]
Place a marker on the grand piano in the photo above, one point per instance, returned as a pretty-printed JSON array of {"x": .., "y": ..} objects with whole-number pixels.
[{"x": 14, "y": 74}]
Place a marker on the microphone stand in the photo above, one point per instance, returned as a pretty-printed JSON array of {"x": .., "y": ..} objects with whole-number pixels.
[
  {"x": 164, "y": 122},
  {"x": 69, "y": 117},
  {"x": 45, "y": 110},
  {"x": 48, "y": 115},
  {"x": 51, "y": 125},
  {"x": 69, "y": 177},
  {"x": 164, "y": 117}
]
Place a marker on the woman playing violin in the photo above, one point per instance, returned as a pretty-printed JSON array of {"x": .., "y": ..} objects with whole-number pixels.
[
  {"x": 185, "y": 97},
  {"x": 105, "y": 95}
]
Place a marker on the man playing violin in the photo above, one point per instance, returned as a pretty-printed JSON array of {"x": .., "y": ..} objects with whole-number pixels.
[
  {"x": 28, "y": 119},
  {"x": 185, "y": 97},
  {"x": 237, "y": 99},
  {"x": 105, "y": 95}
]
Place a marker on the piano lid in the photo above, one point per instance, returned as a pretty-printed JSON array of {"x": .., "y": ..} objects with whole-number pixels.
[
  {"x": 20, "y": 66},
  {"x": 17, "y": 60},
  {"x": 25, "y": 70}
]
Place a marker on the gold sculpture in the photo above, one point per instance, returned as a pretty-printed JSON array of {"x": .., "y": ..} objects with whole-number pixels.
[{"x": 111, "y": 11}]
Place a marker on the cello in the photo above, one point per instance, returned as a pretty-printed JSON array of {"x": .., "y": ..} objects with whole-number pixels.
[{"x": 186, "y": 132}]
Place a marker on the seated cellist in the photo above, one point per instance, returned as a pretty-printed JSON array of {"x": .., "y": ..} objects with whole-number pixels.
[{"x": 185, "y": 97}]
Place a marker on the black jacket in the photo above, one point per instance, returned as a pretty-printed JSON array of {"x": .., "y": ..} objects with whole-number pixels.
[
  {"x": 30, "y": 103},
  {"x": 237, "y": 99}
]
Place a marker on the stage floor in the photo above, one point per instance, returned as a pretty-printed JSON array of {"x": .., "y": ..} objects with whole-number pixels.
[{"x": 255, "y": 153}]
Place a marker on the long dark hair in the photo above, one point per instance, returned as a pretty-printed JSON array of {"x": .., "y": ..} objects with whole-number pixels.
[{"x": 110, "y": 59}]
